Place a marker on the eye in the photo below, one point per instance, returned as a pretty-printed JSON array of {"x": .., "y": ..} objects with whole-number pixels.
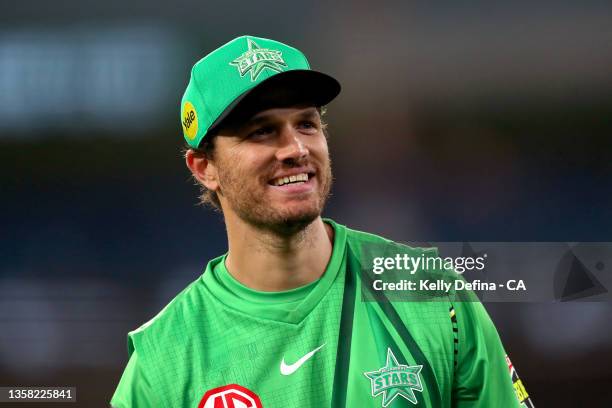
[
  {"x": 307, "y": 125},
  {"x": 260, "y": 132}
]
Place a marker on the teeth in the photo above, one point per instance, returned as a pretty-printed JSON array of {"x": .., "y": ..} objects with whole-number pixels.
[{"x": 291, "y": 179}]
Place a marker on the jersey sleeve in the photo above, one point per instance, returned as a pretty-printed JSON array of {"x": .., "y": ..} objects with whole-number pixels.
[
  {"x": 482, "y": 378},
  {"x": 134, "y": 389}
]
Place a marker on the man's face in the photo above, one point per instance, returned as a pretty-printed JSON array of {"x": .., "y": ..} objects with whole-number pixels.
[{"x": 274, "y": 169}]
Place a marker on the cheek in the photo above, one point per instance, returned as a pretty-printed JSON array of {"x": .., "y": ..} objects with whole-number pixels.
[
  {"x": 258, "y": 160},
  {"x": 247, "y": 163},
  {"x": 320, "y": 149}
]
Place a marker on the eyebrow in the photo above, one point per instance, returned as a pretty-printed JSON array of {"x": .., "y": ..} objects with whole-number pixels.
[{"x": 308, "y": 113}]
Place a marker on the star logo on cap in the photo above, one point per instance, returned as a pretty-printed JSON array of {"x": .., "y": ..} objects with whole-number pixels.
[
  {"x": 256, "y": 59},
  {"x": 395, "y": 379}
]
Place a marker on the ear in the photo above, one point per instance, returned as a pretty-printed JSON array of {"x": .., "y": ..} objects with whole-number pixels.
[{"x": 202, "y": 169}]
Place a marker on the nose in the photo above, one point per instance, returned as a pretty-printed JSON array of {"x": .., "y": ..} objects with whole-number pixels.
[{"x": 291, "y": 146}]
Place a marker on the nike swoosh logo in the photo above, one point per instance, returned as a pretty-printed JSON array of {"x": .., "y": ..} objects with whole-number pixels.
[{"x": 288, "y": 369}]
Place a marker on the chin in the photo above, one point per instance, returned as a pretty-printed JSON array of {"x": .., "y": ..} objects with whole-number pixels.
[
  {"x": 301, "y": 217},
  {"x": 300, "y": 211},
  {"x": 281, "y": 216},
  {"x": 291, "y": 222}
]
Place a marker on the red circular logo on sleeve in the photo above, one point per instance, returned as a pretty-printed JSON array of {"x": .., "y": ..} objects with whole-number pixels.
[{"x": 230, "y": 396}]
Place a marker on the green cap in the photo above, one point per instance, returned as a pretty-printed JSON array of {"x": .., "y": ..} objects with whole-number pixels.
[{"x": 226, "y": 76}]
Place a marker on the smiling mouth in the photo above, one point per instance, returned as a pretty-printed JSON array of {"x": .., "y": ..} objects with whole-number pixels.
[{"x": 297, "y": 179}]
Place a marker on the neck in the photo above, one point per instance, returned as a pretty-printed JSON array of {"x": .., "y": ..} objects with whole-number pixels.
[{"x": 271, "y": 261}]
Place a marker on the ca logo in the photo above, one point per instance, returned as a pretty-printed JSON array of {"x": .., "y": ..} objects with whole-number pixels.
[{"x": 230, "y": 396}]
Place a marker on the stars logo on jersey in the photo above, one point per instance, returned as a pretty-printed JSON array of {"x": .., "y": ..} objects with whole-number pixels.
[
  {"x": 395, "y": 379},
  {"x": 256, "y": 59}
]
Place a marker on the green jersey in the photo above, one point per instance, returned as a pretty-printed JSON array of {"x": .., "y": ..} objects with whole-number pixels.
[{"x": 220, "y": 344}]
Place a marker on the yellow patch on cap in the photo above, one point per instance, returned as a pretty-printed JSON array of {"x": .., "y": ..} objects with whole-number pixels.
[{"x": 190, "y": 120}]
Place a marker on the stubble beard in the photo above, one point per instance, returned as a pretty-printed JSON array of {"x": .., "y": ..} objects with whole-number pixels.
[{"x": 250, "y": 204}]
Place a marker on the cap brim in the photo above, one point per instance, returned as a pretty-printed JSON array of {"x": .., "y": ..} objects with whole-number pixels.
[{"x": 296, "y": 86}]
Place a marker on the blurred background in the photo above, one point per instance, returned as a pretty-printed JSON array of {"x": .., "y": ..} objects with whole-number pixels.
[{"x": 457, "y": 122}]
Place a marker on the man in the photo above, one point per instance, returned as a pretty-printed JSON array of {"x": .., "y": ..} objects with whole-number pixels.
[{"x": 278, "y": 321}]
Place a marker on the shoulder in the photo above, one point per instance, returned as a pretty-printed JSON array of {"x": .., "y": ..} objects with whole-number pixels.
[
  {"x": 171, "y": 320},
  {"x": 366, "y": 241}
]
